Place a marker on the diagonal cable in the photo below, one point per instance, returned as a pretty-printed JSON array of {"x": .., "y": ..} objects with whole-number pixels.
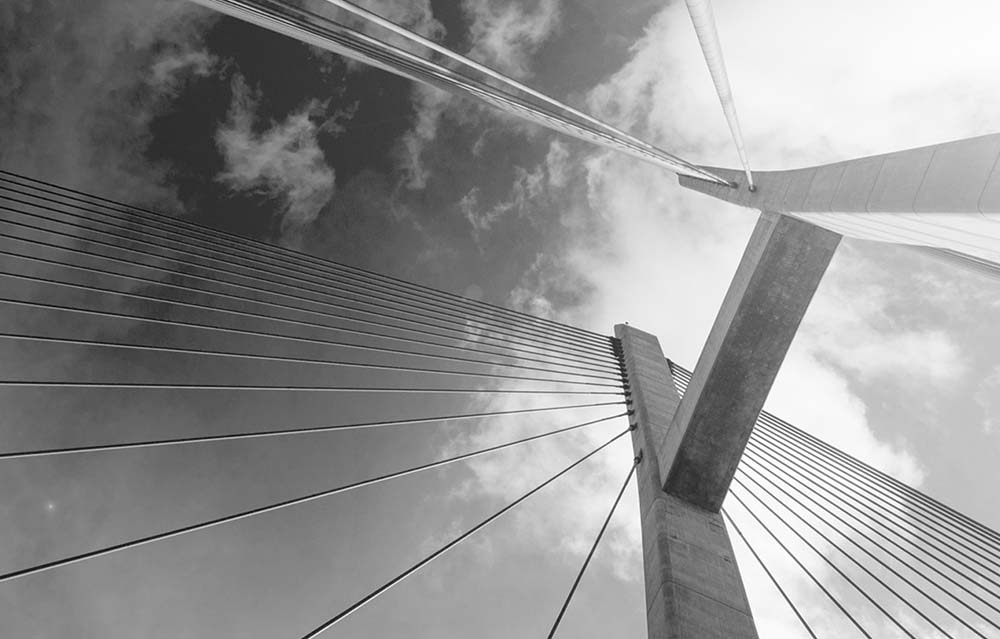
[
  {"x": 556, "y": 352},
  {"x": 216, "y": 327},
  {"x": 326, "y": 625},
  {"x": 278, "y": 256},
  {"x": 769, "y": 574},
  {"x": 28, "y": 383},
  {"x": 708, "y": 37},
  {"x": 830, "y": 487},
  {"x": 868, "y": 571},
  {"x": 93, "y": 554},
  {"x": 591, "y": 360},
  {"x": 930, "y": 511},
  {"x": 157, "y": 443},
  {"x": 829, "y": 595},
  {"x": 301, "y": 25},
  {"x": 764, "y": 424},
  {"x": 341, "y": 293},
  {"x": 593, "y": 548},
  {"x": 19, "y": 337}
]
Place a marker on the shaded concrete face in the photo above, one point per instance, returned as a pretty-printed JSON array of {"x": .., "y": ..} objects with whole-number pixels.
[
  {"x": 693, "y": 585},
  {"x": 774, "y": 283}
]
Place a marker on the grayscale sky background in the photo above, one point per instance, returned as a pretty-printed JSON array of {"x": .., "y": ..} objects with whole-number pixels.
[{"x": 162, "y": 103}]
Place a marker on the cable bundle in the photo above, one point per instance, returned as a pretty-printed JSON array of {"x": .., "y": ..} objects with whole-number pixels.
[
  {"x": 458, "y": 75},
  {"x": 151, "y": 285},
  {"x": 895, "y": 556}
]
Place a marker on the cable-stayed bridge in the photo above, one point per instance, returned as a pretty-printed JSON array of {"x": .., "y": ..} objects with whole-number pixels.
[{"x": 266, "y": 319}]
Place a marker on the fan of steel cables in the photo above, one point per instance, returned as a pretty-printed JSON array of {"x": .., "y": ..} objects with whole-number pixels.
[{"x": 117, "y": 293}]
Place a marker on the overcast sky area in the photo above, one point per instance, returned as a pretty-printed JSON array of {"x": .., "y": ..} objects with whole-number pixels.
[{"x": 165, "y": 104}]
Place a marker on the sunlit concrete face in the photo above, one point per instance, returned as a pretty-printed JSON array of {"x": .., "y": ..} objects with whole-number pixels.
[
  {"x": 693, "y": 585},
  {"x": 944, "y": 196}
]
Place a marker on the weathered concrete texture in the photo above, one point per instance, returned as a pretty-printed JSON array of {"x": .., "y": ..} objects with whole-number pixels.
[
  {"x": 693, "y": 586},
  {"x": 654, "y": 396},
  {"x": 780, "y": 270}
]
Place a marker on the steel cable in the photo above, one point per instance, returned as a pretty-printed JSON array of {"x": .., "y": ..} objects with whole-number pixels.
[
  {"x": 593, "y": 548},
  {"x": 591, "y": 358},
  {"x": 243, "y": 245},
  {"x": 359, "y": 45},
  {"x": 243, "y": 331},
  {"x": 157, "y": 443},
  {"x": 367, "y": 288},
  {"x": 448, "y": 317},
  {"x": 430, "y": 44},
  {"x": 849, "y": 526},
  {"x": 326, "y": 625},
  {"x": 682, "y": 378},
  {"x": 12, "y": 383},
  {"x": 936, "y": 512},
  {"x": 703, "y": 20},
  {"x": 769, "y": 574},
  {"x": 886, "y": 518},
  {"x": 855, "y": 561},
  {"x": 93, "y": 554},
  {"x": 931, "y": 511},
  {"x": 289, "y": 359},
  {"x": 802, "y": 566}
]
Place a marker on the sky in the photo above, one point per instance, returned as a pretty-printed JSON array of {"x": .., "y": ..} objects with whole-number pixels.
[{"x": 164, "y": 104}]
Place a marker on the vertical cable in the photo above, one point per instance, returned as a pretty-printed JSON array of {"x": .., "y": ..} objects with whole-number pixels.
[{"x": 708, "y": 37}]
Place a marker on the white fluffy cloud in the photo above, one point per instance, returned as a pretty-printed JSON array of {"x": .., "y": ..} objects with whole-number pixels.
[
  {"x": 856, "y": 324},
  {"x": 283, "y": 161},
  {"x": 502, "y": 36},
  {"x": 840, "y": 80},
  {"x": 506, "y": 34},
  {"x": 668, "y": 255},
  {"x": 575, "y": 505}
]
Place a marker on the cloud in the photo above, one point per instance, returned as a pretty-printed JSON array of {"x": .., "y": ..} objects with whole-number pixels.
[
  {"x": 428, "y": 102},
  {"x": 808, "y": 96},
  {"x": 550, "y": 288},
  {"x": 840, "y": 418},
  {"x": 582, "y": 497},
  {"x": 429, "y": 105},
  {"x": 415, "y": 15},
  {"x": 505, "y": 35},
  {"x": 83, "y": 81},
  {"x": 853, "y": 324},
  {"x": 169, "y": 72},
  {"x": 283, "y": 161},
  {"x": 557, "y": 163},
  {"x": 987, "y": 397},
  {"x": 526, "y": 193},
  {"x": 644, "y": 251}
]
